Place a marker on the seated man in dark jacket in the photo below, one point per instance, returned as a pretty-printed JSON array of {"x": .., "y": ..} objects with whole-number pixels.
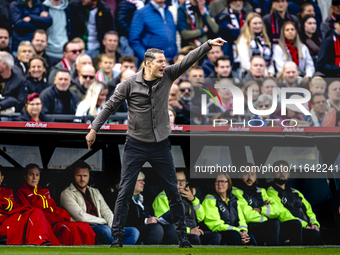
[
  {"x": 151, "y": 232},
  {"x": 193, "y": 211},
  {"x": 293, "y": 205},
  {"x": 13, "y": 85},
  {"x": 58, "y": 99}
]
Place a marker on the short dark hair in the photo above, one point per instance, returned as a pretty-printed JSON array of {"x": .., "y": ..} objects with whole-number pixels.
[
  {"x": 150, "y": 54},
  {"x": 63, "y": 70},
  {"x": 127, "y": 58},
  {"x": 65, "y": 46},
  {"x": 40, "y": 31},
  {"x": 314, "y": 95},
  {"x": 184, "y": 53},
  {"x": 111, "y": 32},
  {"x": 29, "y": 167},
  {"x": 196, "y": 67},
  {"x": 79, "y": 164},
  {"x": 222, "y": 58},
  {"x": 40, "y": 58},
  {"x": 280, "y": 162},
  {"x": 182, "y": 81}
]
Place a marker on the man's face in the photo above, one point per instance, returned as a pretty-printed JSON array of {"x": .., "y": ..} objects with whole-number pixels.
[
  {"x": 334, "y": 91},
  {"x": 282, "y": 175},
  {"x": 335, "y": 9},
  {"x": 223, "y": 69},
  {"x": 249, "y": 177},
  {"x": 319, "y": 105},
  {"x": 337, "y": 27},
  {"x": 111, "y": 43},
  {"x": 39, "y": 42},
  {"x": 86, "y": 76},
  {"x": 185, "y": 90},
  {"x": 62, "y": 81},
  {"x": 73, "y": 51},
  {"x": 181, "y": 181},
  {"x": 107, "y": 64},
  {"x": 290, "y": 74},
  {"x": 128, "y": 66},
  {"x": 214, "y": 54},
  {"x": 257, "y": 67},
  {"x": 157, "y": 65},
  {"x": 4, "y": 39},
  {"x": 173, "y": 93},
  {"x": 25, "y": 53},
  {"x": 37, "y": 68},
  {"x": 236, "y": 5},
  {"x": 196, "y": 77},
  {"x": 280, "y": 5},
  {"x": 82, "y": 61},
  {"x": 81, "y": 177},
  {"x": 267, "y": 87}
]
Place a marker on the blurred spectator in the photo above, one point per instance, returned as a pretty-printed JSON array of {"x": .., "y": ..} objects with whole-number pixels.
[
  {"x": 126, "y": 63},
  {"x": 255, "y": 92},
  {"x": 4, "y": 40},
  {"x": 5, "y": 21},
  {"x": 254, "y": 41},
  {"x": 332, "y": 119},
  {"x": 329, "y": 54},
  {"x": 186, "y": 93},
  {"x": 208, "y": 64},
  {"x": 125, "y": 11},
  {"x": 94, "y": 100},
  {"x": 177, "y": 59},
  {"x": 172, "y": 115},
  {"x": 317, "y": 85},
  {"x": 58, "y": 99},
  {"x": 196, "y": 78},
  {"x": 319, "y": 109},
  {"x": 82, "y": 60},
  {"x": 60, "y": 32},
  {"x": 151, "y": 231},
  {"x": 334, "y": 95},
  {"x": 13, "y": 85},
  {"x": 81, "y": 84},
  {"x": 222, "y": 70},
  {"x": 81, "y": 44},
  {"x": 257, "y": 70},
  {"x": 308, "y": 8},
  {"x": 110, "y": 42},
  {"x": 275, "y": 20},
  {"x": 153, "y": 27},
  {"x": 310, "y": 36},
  {"x": 181, "y": 107},
  {"x": 264, "y": 102},
  {"x": 327, "y": 26},
  {"x": 68, "y": 232},
  {"x": 218, "y": 6},
  {"x": 105, "y": 73},
  {"x": 39, "y": 43},
  {"x": 71, "y": 51},
  {"x": 91, "y": 20},
  {"x": 195, "y": 23},
  {"x": 86, "y": 204},
  {"x": 27, "y": 16},
  {"x": 290, "y": 48},
  {"x": 289, "y": 75},
  {"x": 267, "y": 86},
  {"x": 37, "y": 78},
  {"x": 25, "y": 54},
  {"x": 230, "y": 22},
  {"x": 33, "y": 110}
]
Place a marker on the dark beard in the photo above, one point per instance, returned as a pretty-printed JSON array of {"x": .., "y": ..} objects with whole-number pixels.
[{"x": 279, "y": 181}]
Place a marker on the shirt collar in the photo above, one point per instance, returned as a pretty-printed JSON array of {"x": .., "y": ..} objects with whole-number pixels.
[{"x": 157, "y": 6}]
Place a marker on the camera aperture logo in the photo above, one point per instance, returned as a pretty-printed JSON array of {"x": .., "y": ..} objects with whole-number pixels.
[{"x": 238, "y": 103}]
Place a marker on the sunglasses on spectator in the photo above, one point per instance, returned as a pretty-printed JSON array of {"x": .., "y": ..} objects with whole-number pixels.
[
  {"x": 76, "y": 51},
  {"x": 184, "y": 89},
  {"x": 88, "y": 76},
  {"x": 222, "y": 182},
  {"x": 263, "y": 105}
]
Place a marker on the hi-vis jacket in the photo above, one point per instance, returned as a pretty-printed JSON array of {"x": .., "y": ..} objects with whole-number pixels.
[
  {"x": 292, "y": 205},
  {"x": 255, "y": 197},
  {"x": 224, "y": 215},
  {"x": 192, "y": 211}
]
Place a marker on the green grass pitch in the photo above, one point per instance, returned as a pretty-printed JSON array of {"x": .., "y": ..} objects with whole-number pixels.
[{"x": 169, "y": 249}]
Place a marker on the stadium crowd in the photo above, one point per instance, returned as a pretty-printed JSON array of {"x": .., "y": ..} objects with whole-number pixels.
[{"x": 67, "y": 57}]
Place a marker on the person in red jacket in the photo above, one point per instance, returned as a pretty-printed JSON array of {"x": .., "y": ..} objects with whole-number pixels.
[
  {"x": 23, "y": 225},
  {"x": 68, "y": 232}
]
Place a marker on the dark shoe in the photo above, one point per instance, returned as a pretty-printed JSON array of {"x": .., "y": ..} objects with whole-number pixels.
[
  {"x": 184, "y": 241},
  {"x": 117, "y": 242}
]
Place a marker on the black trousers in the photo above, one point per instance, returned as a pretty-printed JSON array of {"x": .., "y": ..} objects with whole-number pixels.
[
  {"x": 136, "y": 153},
  {"x": 291, "y": 232},
  {"x": 266, "y": 233},
  {"x": 209, "y": 238},
  {"x": 151, "y": 234},
  {"x": 233, "y": 237},
  {"x": 311, "y": 237}
]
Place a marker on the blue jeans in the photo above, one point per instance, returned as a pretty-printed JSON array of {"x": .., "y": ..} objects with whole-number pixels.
[
  {"x": 92, "y": 53},
  {"x": 104, "y": 236},
  {"x": 126, "y": 49}
]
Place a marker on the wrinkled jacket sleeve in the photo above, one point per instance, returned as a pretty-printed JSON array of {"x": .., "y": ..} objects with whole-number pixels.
[
  {"x": 161, "y": 204},
  {"x": 41, "y": 22},
  {"x": 105, "y": 210},
  {"x": 311, "y": 215},
  {"x": 7, "y": 102},
  {"x": 212, "y": 216},
  {"x": 124, "y": 8},
  {"x": 17, "y": 20},
  {"x": 270, "y": 211},
  {"x": 136, "y": 33},
  {"x": 182, "y": 27},
  {"x": 199, "y": 210},
  {"x": 69, "y": 202}
]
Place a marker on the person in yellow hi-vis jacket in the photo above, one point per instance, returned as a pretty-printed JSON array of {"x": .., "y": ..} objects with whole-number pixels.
[
  {"x": 262, "y": 220},
  {"x": 224, "y": 213},
  {"x": 193, "y": 211},
  {"x": 294, "y": 206}
]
